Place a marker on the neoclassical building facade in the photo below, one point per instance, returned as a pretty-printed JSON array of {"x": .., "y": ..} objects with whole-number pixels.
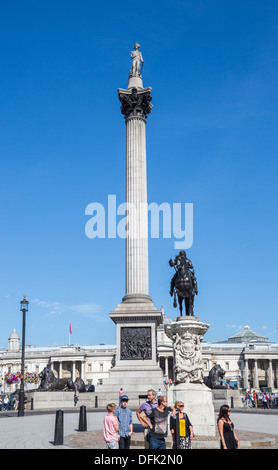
[
  {"x": 249, "y": 359},
  {"x": 91, "y": 363}
]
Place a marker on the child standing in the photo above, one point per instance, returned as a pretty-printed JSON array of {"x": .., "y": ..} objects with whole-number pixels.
[
  {"x": 124, "y": 416},
  {"x": 111, "y": 428}
]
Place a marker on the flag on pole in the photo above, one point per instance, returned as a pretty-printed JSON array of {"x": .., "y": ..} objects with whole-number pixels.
[{"x": 70, "y": 333}]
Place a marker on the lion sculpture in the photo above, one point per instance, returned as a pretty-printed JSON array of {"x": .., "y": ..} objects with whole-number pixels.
[
  {"x": 50, "y": 383},
  {"x": 215, "y": 377}
]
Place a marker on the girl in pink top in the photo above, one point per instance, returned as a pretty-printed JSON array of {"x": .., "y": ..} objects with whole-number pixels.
[
  {"x": 121, "y": 392},
  {"x": 111, "y": 428}
]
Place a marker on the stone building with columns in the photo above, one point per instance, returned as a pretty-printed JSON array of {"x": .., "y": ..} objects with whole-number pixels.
[
  {"x": 249, "y": 359},
  {"x": 90, "y": 363}
]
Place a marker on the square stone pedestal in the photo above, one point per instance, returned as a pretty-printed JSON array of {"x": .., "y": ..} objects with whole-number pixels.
[
  {"x": 198, "y": 405},
  {"x": 136, "y": 369}
]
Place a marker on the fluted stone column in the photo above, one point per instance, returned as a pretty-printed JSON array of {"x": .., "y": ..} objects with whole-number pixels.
[
  {"x": 136, "y": 105},
  {"x": 136, "y": 316},
  {"x": 256, "y": 381},
  {"x": 270, "y": 374},
  {"x": 137, "y": 275},
  {"x": 246, "y": 373},
  {"x": 73, "y": 371}
]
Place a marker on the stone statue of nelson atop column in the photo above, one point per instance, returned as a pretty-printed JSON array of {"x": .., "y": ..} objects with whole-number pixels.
[{"x": 137, "y": 60}]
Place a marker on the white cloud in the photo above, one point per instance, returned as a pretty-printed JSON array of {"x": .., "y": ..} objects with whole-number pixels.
[
  {"x": 89, "y": 310},
  {"x": 85, "y": 308},
  {"x": 57, "y": 308},
  {"x": 235, "y": 327},
  {"x": 44, "y": 304}
]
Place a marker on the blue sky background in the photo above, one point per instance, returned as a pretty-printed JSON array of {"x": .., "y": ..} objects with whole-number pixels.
[{"x": 211, "y": 140}]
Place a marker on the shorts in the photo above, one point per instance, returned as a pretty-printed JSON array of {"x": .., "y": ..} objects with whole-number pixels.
[{"x": 112, "y": 445}]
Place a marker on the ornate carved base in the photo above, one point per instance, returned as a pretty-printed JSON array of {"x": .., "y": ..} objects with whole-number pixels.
[
  {"x": 136, "y": 319},
  {"x": 187, "y": 334},
  {"x": 136, "y": 368}
]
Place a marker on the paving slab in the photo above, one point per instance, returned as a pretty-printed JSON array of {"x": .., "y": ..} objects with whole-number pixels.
[{"x": 36, "y": 431}]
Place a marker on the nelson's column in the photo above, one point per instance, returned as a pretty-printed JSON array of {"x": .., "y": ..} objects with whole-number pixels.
[{"x": 136, "y": 317}]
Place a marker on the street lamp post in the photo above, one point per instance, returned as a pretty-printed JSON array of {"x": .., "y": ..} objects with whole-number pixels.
[{"x": 24, "y": 308}]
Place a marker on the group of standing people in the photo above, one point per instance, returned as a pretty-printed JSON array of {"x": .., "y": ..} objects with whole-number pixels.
[
  {"x": 153, "y": 414},
  {"x": 6, "y": 403},
  {"x": 117, "y": 425},
  {"x": 270, "y": 401},
  {"x": 253, "y": 399}
]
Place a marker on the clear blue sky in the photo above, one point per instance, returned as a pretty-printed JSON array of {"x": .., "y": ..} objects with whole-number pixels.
[{"x": 211, "y": 140}]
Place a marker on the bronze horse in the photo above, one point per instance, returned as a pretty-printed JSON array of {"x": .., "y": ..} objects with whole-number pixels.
[{"x": 183, "y": 288}]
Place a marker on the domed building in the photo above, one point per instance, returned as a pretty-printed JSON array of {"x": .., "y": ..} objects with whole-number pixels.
[
  {"x": 249, "y": 359},
  {"x": 247, "y": 336}
]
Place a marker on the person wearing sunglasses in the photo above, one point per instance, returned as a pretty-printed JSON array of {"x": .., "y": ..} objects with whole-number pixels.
[
  {"x": 185, "y": 426},
  {"x": 228, "y": 438},
  {"x": 158, "y": 423}
]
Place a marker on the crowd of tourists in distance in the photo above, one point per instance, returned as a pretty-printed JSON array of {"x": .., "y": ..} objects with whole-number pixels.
[
  {"x": 263, "y": 399},
  {"x": 10, "y": 402}
]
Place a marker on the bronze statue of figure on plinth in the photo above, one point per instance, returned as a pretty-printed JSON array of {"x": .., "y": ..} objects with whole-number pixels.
[{"x": 183, "y": 283}]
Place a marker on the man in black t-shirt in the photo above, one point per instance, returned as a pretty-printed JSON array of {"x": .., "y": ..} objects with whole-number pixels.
[{"x": 159, "y": 423}]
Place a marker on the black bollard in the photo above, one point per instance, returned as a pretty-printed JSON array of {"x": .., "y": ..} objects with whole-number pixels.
[
  {"x": 232, "y": 402},
  {"x": 82, "y": 419},
  {"x": 59, "y": 428},
  {"x": 32, "y": 403},
  {"x": 96, "y": 403}
]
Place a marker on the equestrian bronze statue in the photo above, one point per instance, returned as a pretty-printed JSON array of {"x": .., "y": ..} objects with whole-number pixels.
[{"x": 183, "y": 283}]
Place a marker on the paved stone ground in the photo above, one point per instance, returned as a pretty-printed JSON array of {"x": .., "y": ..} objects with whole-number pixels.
[
  {"x": 36, "y": 430},
  {"x": 94, "y": 440},
  {"x": 249, "y": 425}
]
